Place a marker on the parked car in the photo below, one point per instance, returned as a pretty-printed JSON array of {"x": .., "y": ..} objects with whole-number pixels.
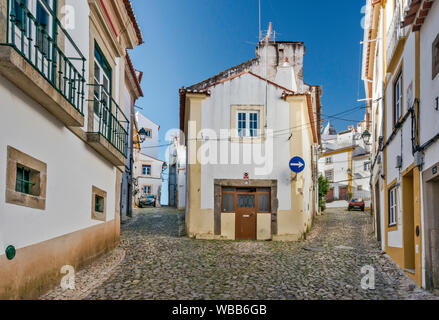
[
  {"x": 356, "y": 203},
  {"x": 146, "y": 201}
]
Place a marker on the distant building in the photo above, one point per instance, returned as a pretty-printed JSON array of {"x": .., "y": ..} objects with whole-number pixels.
[
  {"x": 177, "y": 174},
  {"x": 132, "y": 91},
  {"x": 150, "y": 145},
  {"x": 148, "y": 169},
  {"x": 345, "y": 161}
]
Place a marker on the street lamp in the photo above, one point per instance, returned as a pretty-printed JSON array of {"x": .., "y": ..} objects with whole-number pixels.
[
  {"x": 142, "y": 135},
  {"x": 366, "y": 137}
]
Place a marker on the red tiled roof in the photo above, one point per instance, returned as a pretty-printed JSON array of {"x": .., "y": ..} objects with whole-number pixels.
[
  {"x": 417, "y": 13},
  {"x": 134, "y": 74},
  {"x": 132, "y": 16}
]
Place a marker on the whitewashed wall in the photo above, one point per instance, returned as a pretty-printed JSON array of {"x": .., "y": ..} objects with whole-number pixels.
[
  {"x": 155, "y": 180},
  {"x": 429, "y": 117},
  {"x": 216, "y": 115},
  {"x": 149, "y": 146},
  {"x": 72, "y": 169}
]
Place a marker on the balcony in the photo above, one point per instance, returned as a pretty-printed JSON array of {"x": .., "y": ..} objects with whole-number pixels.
[
  {"x": 110, "y": 129},
  {"x": 395, "y": 37},
  {"x": 33, "y": 56}
]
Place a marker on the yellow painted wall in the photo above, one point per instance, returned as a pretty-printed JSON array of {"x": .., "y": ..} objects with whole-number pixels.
[
  {"x": 263, "y": 225},
  {"x": 228, "y": 226}
]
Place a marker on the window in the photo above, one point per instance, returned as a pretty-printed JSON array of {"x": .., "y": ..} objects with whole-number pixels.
[
  {"x": 98, "y": 207},
  {"x": 99, "y": 204},
  {"x": 102, "y": 84},
  {"x": 435, "y": 55},
  {"x": 328, "y": 160},
  {"x": 360, "y": 188},
  {"x": 245, "y": 201},
  {"x": 392, "y": 206},
  {"x": 248, "y": 124},
  {"x": 397, "y": 98},
  {"x": 228, "y": 200},
  {"x": 25, "y": 180},
  {"x": 366, "y": 166},
  {"x": 329, "y": 174},
  {"x": 258, "y": 198},
  {"x": 147, "y": 190},
  {"x": 20, "y": 14},
  {"x": 148, "y": 133},
  {"x": 146, "y": 170},
  {"x": 264, "y": 203}
]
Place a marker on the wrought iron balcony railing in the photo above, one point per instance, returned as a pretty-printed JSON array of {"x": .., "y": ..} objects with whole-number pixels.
[
  {"x": 110, "y": 121},
  {"x": 43, "y": 46},
  {"x": 394, "y": 34}
]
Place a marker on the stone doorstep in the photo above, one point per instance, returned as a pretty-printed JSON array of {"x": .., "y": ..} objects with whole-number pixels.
[
  {"x": 280, "y": 238},
  {"x": 16, "y": 69},
  {"x": 105, "y": 149}
]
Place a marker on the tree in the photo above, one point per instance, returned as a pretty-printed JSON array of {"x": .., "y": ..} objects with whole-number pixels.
[{"x": 323, "y": 191}]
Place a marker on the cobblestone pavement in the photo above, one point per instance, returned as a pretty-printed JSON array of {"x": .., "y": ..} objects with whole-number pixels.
[{"x": 160, "y": 264}]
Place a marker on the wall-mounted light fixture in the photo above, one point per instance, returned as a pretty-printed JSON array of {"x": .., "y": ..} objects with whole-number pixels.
[{"x": 10, "y": 252}]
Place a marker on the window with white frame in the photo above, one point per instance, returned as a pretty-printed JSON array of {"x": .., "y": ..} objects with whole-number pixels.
[
  {"x": 392, "y": 206},
  {"x": 397, "y": 98},
  {"x": 146, "y": 170},
  {"x": 146, "y": 189},
  {"x": 329, "y": 174},
  {"x": 328, "y": 160},
  {"x": 366, "y": 166},
  {"x": 248, "y": 123}
]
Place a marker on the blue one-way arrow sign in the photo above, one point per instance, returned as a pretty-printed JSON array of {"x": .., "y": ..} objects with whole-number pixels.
[{"x": 297, "y": 164}]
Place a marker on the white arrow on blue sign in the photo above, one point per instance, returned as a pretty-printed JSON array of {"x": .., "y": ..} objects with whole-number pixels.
[{"x": 297, "y": 164}]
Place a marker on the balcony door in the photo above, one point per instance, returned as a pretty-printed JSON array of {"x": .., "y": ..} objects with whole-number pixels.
[
  {"x": 32, "y": 25},
  {"x": 102, "y": 93}
]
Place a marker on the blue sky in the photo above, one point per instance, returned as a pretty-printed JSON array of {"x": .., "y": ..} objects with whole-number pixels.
[{"x": 187, "y": 41}]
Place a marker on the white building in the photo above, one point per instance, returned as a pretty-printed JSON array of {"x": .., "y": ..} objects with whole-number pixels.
[
  {"x": 345, "y": 161},
  {"x": 177, "y": 174},
  {"x": 148, "y": 169},
  {"x": 149, "y": 146},
  {"x": 400, "y": 70},
  {"x": 62, "y": 157},
  {"x": 241, "y": 129}
]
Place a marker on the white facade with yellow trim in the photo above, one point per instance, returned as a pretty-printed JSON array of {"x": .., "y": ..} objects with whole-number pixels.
[
  {"x": 398, "y": 69},
  {"x": 241, "y": 130}
]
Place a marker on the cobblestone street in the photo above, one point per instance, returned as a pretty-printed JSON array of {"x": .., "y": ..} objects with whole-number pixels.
[{"x": 159, "y": 264}]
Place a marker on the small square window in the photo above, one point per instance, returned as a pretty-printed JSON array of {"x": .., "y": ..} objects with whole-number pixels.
[
  {"x": 25, "y": 180},
  {"x": 99, "y": 199},
  {"x": 328, "y": 160}
]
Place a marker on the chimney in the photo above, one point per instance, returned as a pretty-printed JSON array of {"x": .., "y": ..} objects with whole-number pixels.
[{"x": 282, "y": 63}]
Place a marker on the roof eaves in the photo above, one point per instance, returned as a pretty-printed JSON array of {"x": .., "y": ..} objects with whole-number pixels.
[{"x": 132, "y": 16}]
